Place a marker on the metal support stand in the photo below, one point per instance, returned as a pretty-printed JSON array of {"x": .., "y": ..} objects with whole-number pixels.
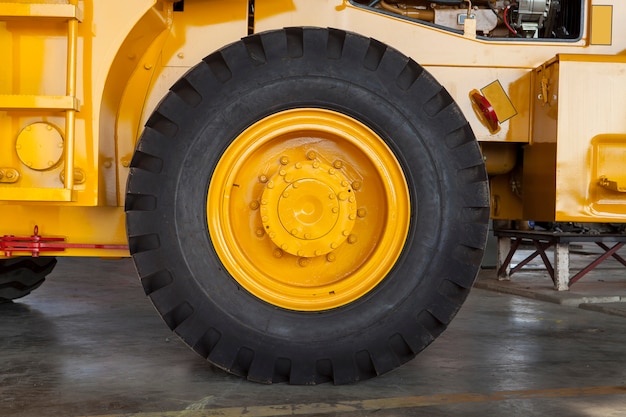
[{"x": 509, "y": 242}]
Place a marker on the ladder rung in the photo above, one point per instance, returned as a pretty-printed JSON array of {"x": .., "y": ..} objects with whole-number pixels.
[
  {"x": 40, "y": 10},
  {"x": 34, "y": 194},
  {"x": 27, "y": 102}
]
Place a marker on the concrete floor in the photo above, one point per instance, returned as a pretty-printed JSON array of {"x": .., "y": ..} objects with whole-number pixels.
[{"x": 88, "y": 343}]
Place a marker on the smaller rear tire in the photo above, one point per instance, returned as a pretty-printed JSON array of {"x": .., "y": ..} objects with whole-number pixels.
[{"x": 20, "y": 276}]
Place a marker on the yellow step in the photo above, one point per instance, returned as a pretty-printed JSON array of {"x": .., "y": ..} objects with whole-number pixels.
[
  {"x": 10, "y": 11},
  {"x": 34, "y": 194},
  {"x": 27, "y": 102}
]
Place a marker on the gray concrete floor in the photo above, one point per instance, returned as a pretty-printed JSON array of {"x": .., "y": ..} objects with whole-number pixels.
[{"x": 89, "y": 343}]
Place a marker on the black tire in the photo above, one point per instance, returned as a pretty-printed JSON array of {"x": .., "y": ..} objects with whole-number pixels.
[
  {"x": 20, "y": 276},
  {"x": 259, "y": 76}
]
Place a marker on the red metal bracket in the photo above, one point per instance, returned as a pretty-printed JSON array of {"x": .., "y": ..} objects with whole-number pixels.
[{"x": 36, "y": 244}]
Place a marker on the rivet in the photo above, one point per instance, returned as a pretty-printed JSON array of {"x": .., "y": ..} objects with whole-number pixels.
[
  {"x": 286, "y": 194},
  {"x": 333, "y": 245},
  {"x": 346, "y": 232},
  {"x": 294, "y": 232},
  {"x": 356, "y": 185},
  {"x": 338, "y": 164},
  {"x": 335, "y": 210},
  {"x": 278, "y": 253},
  {"x": 125, "y": 163},
  {"x": 10, "y": 174},
  {"x": 254, "y": 205},
  {"x": 352, "y": 217},
  {"x": 352, "y": 199},
  {"x": 303, "y": 262},
  {"x": 352, "y": 239},
  {"x": 342, "y": 196},
  {"x": 270, "y": 184},
  {"x": 60, "y": 145},
  {"x": 361, "y": 212},
  {"x": 260, "y": 232},
  {"x": 284, "y": 246},
  {"x": 49, "y": 127},
  {"x": 180, "y": 55},
  {"x": 318, "y": 252},
  {"x": 263, "y": 179},
  {"x": 331, "y": 196},
  {"x": 331, "y": 257},
  {"x": 316, "y": 164},
  {"x": 344, "y": 183},
  {"x": 300, "y": 253},
  {"x": 282, "y": 172},
  {"x": 147, "y": 66},
  {"x": 264, "y": 202},
  {"x": 50, "y": 163},
  {"x": 311, "y": 155},
  {"x": 298, "y": 165},
  {"x": 307, "y": 236},
  {"x": 264, "y": 219},
  {"x": 284, "y": 160},
  {"x": 295, "y": 184},
  {"x": 272, "y": 235},
  {"x": 331, "y": 171},
  {"x": 28, "y": 128}
]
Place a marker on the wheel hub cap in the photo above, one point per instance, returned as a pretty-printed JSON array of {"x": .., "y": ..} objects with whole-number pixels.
[{"x": 308, "y": 209}]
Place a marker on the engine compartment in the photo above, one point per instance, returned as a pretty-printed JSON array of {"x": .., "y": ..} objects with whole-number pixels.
[{"x": 525, "y": 19}]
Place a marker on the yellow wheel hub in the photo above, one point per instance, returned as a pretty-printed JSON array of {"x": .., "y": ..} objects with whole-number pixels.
[{"x": 308, "y": 209}]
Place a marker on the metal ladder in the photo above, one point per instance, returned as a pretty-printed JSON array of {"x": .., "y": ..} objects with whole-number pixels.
[{"x": 69, "y": 103}]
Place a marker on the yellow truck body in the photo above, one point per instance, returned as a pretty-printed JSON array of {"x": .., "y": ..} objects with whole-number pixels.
[{"x": 541, "y": 84}]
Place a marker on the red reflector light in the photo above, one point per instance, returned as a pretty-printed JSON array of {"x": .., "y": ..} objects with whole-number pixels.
[{"x": 485, "y": 111}]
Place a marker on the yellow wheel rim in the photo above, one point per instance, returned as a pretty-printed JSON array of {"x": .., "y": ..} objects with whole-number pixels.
[{"x": 308, "y": 209}]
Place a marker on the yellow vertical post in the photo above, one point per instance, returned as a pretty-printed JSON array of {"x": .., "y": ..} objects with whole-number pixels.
[{"x": 70, "y": 114}]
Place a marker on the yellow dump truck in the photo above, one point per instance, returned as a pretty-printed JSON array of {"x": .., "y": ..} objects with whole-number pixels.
[{"x": 304, "y": 186}]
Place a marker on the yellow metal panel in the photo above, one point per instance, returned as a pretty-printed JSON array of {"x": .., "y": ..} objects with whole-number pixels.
[
  {"x": 578, "y": 139},
  {"x": 601, "y": 25}
]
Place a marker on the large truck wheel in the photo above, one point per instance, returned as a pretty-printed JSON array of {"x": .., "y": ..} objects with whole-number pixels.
[
  {"x": 20, "y": 276},
  {"x": 307, "y": 205}
]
